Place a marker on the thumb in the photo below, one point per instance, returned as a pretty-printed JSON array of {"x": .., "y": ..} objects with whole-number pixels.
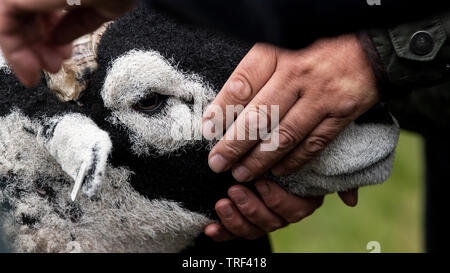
[
  {"x": 350, "y": 198},
  {"x": 76, "y": 23},
  {"x": 31, "y": 6},
  {"x": 90, "y": 16}
]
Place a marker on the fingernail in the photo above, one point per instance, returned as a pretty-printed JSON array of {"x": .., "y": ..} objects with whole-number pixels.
[
  {"x": 208, "y": 129},
  {"x": 226, "y": 211},
  {"x": 211, "y": 230},
  {"x": 242, "y": 174},
  {"x": 237, "y": 87},
  {"x": 218, "y": 163},
  {"x": 239, "y": 197},
  {"x": 263, "y": 189}
]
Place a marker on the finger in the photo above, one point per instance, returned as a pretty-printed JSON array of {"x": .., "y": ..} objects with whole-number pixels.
[
  {"x": 65, "y": 51},
  {"x": 23, "y": 46},
  {"x": 253, "y": 72},
  {"x": 21, "y": 58},
  {"x": 76, "y": 23},
  {"x": 234, "y": 222},
  {"x": 313, "y": 144},
  {"x": 110, "y": 9},
  {"x": 50, "y": 58},
  {"x": 26, "y": 66},
  {"x": 301, "y": 119},
  {"x": 255, "y": 211},
  {"x": 218, "y": 233},
  {"x": 292, "y": 208},
  {"x": 260, "y": 115},
  {"x": 36, "y": 6},
  {"x": 350, "y": 198}
]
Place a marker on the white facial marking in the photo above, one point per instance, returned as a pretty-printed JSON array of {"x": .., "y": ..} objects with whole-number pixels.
[{"x": 135, "y": 75}]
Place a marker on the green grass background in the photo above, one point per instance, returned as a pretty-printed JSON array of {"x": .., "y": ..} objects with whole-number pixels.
[{"x": 392, "y": 213}]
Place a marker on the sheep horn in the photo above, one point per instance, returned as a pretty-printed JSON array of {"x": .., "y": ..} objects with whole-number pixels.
[{"x": 73, "y": 78}]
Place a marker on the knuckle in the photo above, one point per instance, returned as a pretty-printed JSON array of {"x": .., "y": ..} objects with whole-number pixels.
[
  {"x": 264, "y": 50},
  {"x": 287, "y": 138},
  {"x": 348, "y": 107},
  {"x": 251, "y": 121},
  {"x": 301, "y": 213},
  {"x": 232, "y": 149},
  {"x": 292, "y": 162},
  {"x": 237, "y": 226},
  {"x": 250, "y": 212},
  {"x": 239, "y": 88},
  {"x": 327, "y": 67},
  {"x": 329, "y": 87},
  {"x": 297, "y": 216},
  {"x": 275, "y": 203},
  {"x": 274, "y": 226},
  {"x": 319, "y": 107},
  {"x": 315, "y": 144},
  {"x": 297, "y": 70},
  {"x": 256, "y": 164}
]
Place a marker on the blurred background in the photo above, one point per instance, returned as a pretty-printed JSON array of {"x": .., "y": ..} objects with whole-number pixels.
[{"x": 391, "y": 214}]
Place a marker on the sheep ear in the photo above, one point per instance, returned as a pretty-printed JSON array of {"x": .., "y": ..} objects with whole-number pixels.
[{"x": 81, "y": 148}]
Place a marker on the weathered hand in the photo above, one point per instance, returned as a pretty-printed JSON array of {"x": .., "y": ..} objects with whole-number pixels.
[
  {"x": 246, "y": 215},
  {"x": 319, "y": 90},
  {"x": 35, "y": 35}
]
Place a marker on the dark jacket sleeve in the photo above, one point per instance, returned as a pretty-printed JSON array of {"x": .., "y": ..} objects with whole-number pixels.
[
  {"x": 410, "y": 56},
  {"x": 296, "y": 23}
]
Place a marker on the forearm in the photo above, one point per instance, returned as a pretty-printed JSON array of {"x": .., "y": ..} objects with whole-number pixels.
[{"x": 295, "y": 24}]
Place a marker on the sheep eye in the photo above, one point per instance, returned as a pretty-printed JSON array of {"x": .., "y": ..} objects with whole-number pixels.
[{"x": 150, "y": 104}]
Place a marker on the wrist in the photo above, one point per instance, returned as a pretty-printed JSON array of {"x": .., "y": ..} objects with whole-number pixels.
[{"x": 381, "y": 78}]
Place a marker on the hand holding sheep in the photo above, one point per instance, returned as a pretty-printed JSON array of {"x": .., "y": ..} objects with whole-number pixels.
[{"x": 320, "y": 89}]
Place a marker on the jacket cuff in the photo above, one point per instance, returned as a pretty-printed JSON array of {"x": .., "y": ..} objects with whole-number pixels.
[
  {"x": 411, "y": 55},
  {"x": 379, "y": 71}
]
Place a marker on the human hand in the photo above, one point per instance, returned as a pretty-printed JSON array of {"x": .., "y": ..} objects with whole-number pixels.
[
  {"x": 320, "y": 90},
  {"x": 248, "y": 216},
  {"x": 35, "y": 35}
]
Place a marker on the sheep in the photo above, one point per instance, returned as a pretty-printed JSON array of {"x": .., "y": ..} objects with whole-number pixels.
[{"x": 143, "y": 187}]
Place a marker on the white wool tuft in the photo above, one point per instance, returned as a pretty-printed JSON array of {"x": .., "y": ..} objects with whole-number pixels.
[{"x": 76, "y": 141}]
